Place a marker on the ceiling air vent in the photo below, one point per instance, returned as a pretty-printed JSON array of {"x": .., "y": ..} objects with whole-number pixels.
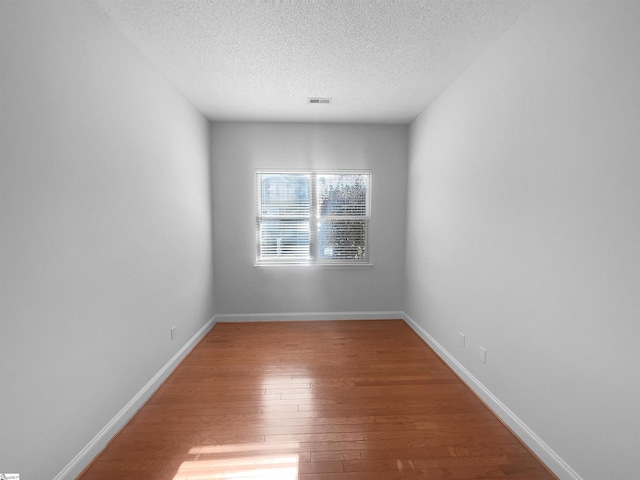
[{"x": 319, "y": 100}]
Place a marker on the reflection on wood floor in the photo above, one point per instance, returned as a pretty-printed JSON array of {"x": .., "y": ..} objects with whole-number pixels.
[{"x": 314, "y": 400}]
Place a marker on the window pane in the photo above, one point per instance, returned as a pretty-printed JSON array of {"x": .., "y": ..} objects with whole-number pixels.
[
  {"x": 289, "y": 238},
  {"x": 343, "y": 240},
  {"x": 284, "y": 195},
  {"x": 343, "y": 194}
]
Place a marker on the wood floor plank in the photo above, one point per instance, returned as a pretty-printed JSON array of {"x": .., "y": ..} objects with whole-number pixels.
[{"x": 342, "y": 400}]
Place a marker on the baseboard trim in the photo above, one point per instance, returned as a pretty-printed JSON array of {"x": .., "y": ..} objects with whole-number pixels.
[
  {"x": 289, "y": 317},
  {"x": 551, "y": 459},
  {"x": 97, "y": 444}
]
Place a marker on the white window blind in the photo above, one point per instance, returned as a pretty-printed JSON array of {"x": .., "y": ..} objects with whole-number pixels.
[{"x": 313, "y": 217}]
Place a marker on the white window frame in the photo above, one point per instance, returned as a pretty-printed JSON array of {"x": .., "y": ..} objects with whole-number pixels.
[{"x": 315, "y": 218}]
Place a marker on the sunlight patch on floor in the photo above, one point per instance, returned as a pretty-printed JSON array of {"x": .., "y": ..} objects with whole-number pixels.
[{"x": 252, "y": 461}]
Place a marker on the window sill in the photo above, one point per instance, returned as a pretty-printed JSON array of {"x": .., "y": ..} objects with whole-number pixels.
[{"x": 340, "y": 266}]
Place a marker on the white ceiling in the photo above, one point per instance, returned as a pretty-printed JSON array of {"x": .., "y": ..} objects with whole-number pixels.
[{"x": 382, "y": 61}]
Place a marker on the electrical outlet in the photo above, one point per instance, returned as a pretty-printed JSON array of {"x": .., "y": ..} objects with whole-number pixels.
[
  {"x": 463, "y": 340},
  {"x": 483, "y": 355},
  {"x": 173, "y": 333}
]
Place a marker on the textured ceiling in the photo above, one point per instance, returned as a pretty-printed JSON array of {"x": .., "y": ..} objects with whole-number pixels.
[{"x": 381, "y": 61}]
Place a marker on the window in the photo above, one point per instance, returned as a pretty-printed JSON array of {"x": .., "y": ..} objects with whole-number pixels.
[{"x": 313, "y": 217}]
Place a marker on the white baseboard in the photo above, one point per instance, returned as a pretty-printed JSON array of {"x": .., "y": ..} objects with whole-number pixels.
[
  {"x": 535, "y": 443},
  {"x": 288, "y": 317},
  {"x": 97, "y": 444}
]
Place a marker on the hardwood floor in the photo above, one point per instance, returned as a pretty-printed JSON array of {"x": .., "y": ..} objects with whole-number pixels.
[{"x": 314, "y": 400}]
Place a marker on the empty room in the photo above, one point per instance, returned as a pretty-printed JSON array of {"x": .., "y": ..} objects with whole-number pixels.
[{"x": 319, "y": 239}]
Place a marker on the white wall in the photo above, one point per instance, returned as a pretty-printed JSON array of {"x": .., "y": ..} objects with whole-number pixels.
[
  {"x": 240, "y": 148},
  {"x": 105, "y": 228},
  {"x": 523, "y": 227}
]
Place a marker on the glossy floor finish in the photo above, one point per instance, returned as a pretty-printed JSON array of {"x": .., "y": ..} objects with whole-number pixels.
[{"x": 314, "y": 400}]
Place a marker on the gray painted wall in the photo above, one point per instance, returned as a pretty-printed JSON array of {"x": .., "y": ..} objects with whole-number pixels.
[
  {"x": 238, "y": 149},
  {"x": 523, "y": 227},
  {"x": 105, "y": 228}
]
